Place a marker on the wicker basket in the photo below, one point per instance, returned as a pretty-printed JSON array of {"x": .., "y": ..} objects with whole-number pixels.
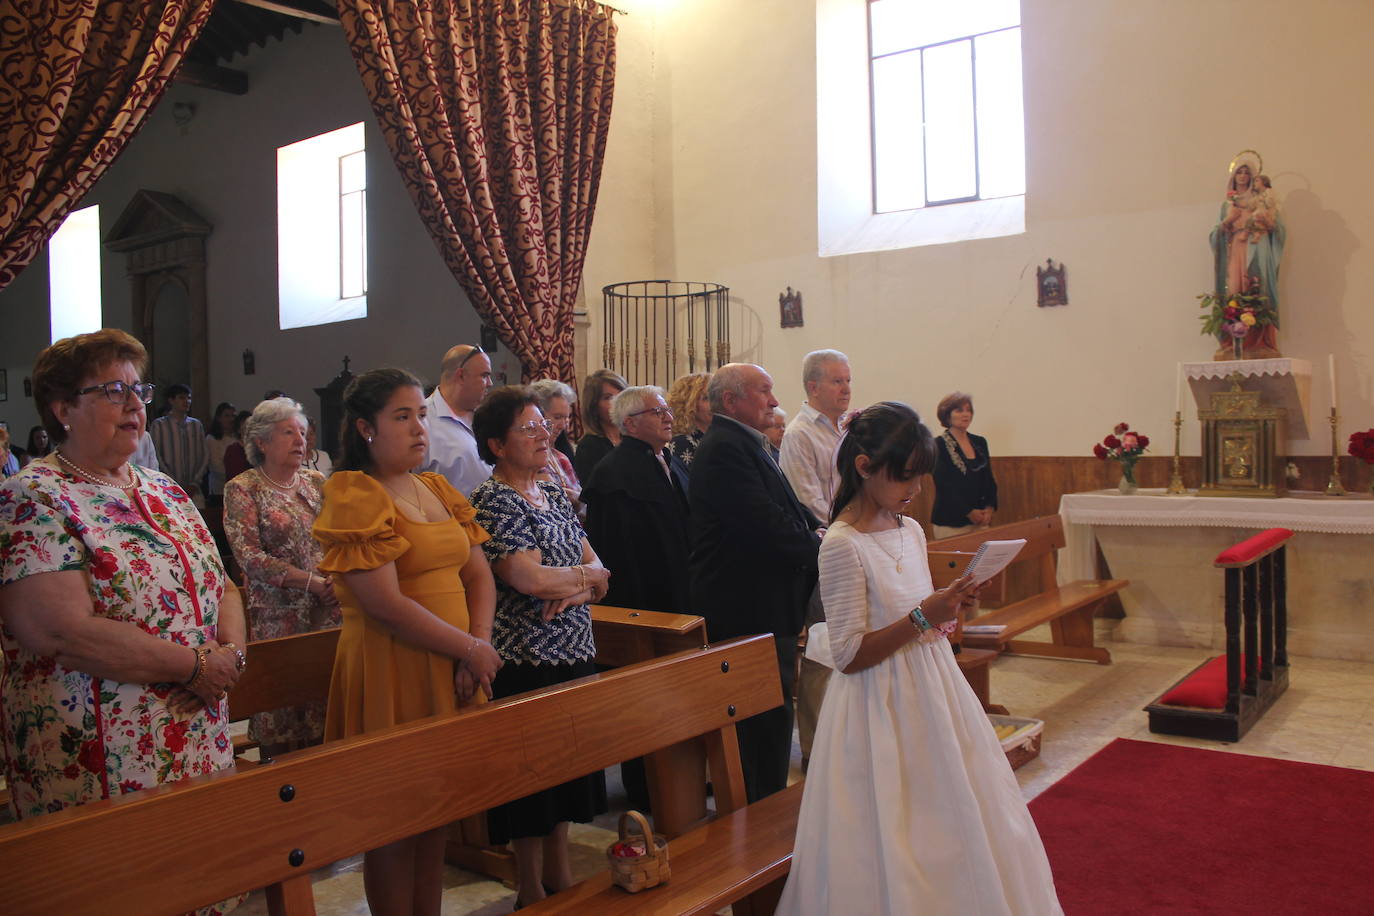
[
  {"x": 649, "y": 870},
  {"x": 1023, "y": 745}
]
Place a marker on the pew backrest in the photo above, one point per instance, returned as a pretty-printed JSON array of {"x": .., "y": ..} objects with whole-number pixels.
[{"x": 269, "y": 826}]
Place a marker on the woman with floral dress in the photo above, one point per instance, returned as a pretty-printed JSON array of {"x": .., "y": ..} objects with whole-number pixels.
[
  {"x": 268, "y": 514},
  {"x": 121, "y": 633}
]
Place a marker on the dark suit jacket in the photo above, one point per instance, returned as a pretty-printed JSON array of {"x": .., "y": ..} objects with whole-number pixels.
[
  {"x": 591, "y": 448},
  {"x": 754, "y": 550},
  {"x": 637, "y": 524}
]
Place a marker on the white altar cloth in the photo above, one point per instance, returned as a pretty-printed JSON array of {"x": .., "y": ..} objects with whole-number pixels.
[{"x": 1165, "y": 546}]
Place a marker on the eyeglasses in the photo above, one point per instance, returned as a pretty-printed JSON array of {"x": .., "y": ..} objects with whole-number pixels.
[
  {"x": 118, "y": 391},
  {"x": 661, "y": 412},
  {"x": 469, "y": 355},
  {"x": 534, "y": 427}
]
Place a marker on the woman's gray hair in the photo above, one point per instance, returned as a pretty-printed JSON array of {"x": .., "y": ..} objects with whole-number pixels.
[
  {"x": 546, "y": 389},
  {"x": 632, "y": 400},
  {"x": 265, "y": 416}
]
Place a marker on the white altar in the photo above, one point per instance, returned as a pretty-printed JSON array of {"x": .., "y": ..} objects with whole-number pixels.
[{"x": 1165, "y": 545}]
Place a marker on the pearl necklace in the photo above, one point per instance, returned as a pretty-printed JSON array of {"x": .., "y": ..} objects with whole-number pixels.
[
  {"x": 97, "y": 479},
  {"x": 288, "y": 487}
]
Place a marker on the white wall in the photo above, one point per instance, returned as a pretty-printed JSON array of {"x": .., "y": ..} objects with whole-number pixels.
[
  {"x": 224, "y": 166},
  {"x": 1133, "y": 111}
]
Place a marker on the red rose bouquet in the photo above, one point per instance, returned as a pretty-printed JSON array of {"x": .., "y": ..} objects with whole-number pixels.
[
  {"x": 1125, "y": 446},
  {"x": 1362, "y": 447}
]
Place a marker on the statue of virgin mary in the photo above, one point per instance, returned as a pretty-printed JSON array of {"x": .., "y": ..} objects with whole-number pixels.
[{"x": 1247, "y": 244}]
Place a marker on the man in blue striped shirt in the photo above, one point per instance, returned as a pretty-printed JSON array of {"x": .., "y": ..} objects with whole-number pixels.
[{"x": 180, "y": 441}]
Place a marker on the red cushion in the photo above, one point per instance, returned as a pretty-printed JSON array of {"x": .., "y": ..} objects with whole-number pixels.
[
  {"x": 1253, "y": 547},
  {"x": 1205, "y": 688}
]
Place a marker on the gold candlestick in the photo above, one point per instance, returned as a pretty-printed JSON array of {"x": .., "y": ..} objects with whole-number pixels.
[
  {"x": 1176, "y": 487},
  {"x": 1333, "y": 486}
]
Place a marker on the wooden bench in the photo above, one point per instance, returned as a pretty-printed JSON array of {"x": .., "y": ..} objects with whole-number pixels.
[
  {"x": 297, "y": 669},
  {"x": 269, "y": 826},
  {"x": 1069, "y": 609}
]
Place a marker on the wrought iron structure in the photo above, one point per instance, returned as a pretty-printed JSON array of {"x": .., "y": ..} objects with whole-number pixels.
[{"x": 655, "y": 330}]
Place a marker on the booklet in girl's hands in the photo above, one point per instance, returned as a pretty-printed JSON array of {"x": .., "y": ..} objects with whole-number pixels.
[{"x": 993, "y": 557}]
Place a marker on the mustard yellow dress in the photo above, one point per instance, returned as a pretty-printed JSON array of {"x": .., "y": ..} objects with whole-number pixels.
[{"x": 379, "y": 679}]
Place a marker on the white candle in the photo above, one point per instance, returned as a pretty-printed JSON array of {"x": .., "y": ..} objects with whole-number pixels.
[
  {"x": 1178, "y": 390},
  {"x": 1331, "y": 366}
]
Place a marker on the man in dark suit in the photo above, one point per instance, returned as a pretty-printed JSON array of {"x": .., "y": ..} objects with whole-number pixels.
[
  {"x": 637, "y": 507},
  {"x": 636, "y": 502},
  {"x": 754, "y": 553}
]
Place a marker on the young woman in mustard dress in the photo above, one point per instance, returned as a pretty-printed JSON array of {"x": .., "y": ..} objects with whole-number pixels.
[{"x": 418, "y": 603}]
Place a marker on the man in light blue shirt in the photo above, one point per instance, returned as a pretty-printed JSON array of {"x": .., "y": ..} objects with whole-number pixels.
[{"x": 464, "y": 377}]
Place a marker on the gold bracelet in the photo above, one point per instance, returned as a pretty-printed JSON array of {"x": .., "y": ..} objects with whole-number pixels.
[
  {"x": 202, "y": 654},
  {"x": 582, "y": 571}
]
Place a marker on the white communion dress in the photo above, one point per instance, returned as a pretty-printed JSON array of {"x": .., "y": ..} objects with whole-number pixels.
[{"x": 910, "y": 806}]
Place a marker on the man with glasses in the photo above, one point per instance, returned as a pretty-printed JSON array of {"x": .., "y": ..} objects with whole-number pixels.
[
  {"x": 464, "y": 378},
  {"x": 180, "y": 440},
  {"x": 636, "y": 499}
]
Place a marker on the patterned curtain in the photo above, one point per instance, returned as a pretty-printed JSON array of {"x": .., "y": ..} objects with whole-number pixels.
[
  {"x": 496, "y": 113},
  {"x": 78, "y": 80}
]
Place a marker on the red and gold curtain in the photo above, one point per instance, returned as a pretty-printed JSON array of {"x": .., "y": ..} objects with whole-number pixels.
[
  {"x": 77, "y": 80},
  {"x": 496, "y": 114}
]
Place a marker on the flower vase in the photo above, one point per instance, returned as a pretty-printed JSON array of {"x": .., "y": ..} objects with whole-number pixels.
[
  {"x": 1238, "y": 347},
  {"x": 1127, "y": 486}
]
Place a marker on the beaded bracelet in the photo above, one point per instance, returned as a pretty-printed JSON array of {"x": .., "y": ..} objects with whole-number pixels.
[
  {"x": 240, "y": 660},
  {"x": 472, "y": 647}
]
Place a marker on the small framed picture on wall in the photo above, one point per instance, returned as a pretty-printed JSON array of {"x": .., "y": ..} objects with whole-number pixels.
[{"x": 4, "y": 385}]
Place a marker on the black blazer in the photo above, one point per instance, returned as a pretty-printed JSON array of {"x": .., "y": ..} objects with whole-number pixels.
[
  {"x": 637, "y": 524},
  {"x": 957, "y": 493},
  {"x": 754, "y": 547},
  {"x": 591, "y": 448}
]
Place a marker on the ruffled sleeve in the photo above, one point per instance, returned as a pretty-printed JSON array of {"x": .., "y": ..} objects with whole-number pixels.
[
  {"x": 357, "y": 524},
  {"x": 457, "y": 504}
]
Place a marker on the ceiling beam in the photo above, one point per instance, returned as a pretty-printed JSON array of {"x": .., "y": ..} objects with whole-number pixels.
[
  {"x": 287, "y": 9},
  {"x": 208, "y": 76}
]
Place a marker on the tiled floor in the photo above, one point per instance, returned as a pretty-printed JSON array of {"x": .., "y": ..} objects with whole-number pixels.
[{"x": 1327, "y": 716}]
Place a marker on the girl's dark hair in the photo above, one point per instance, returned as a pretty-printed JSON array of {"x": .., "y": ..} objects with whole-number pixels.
[
  {"x": 216, "y": 429},
  {"x": 496, "y": 415},
  {"x": 363, "y": 399},
  {"x": 892, "y": 435},
  {"x": 241, "y": 418}
]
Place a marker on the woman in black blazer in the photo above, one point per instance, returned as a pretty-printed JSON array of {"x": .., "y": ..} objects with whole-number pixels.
[{"x": 965, "y": 491}]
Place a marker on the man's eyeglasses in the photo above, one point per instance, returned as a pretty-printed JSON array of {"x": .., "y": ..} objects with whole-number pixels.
[
  {"x": 469, "y": 355},
  {"x": 535, "y": 427},
  {"x": 118, "y": 391},
  {"x": 660, "y": 412}
]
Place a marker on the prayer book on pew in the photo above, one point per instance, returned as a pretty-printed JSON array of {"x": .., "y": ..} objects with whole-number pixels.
[{"x": 993, "y": 557}]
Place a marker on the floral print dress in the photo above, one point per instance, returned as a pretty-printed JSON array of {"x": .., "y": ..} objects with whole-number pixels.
[
  {"x": 69, "y": 737},
  {"x": 269, "y": 531}
]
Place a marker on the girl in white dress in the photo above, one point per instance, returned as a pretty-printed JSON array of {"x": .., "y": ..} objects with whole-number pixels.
[{"x": 910, "y": 806}]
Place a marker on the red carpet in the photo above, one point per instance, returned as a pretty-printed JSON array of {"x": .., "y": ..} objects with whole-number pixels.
[{"x": 1141, "y": 827}]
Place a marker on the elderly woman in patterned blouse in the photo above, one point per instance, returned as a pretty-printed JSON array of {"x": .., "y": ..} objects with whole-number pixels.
[
  {"x": 546, "y": 575},
  {"x": 122, "y": 634},
  {"x": 268, "y": 514}
]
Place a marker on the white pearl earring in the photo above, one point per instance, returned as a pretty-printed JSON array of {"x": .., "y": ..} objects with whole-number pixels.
[{"x": 369, "y": 440}]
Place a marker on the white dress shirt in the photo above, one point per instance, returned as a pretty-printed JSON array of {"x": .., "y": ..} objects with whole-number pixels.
[
  {"x": 145, "y": 456},
  {"x": 453, "y": 447},
  {"x": 807, "y": 459}
]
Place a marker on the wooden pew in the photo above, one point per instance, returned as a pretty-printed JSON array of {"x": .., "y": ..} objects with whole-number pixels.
[
  {"x": 269, "y": 826},
  {"x": 975, "y": 664},
  {"x": 1068, "y": 609}
]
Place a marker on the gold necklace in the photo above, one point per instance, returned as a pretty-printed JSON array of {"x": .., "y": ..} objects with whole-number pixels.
[
  {"x": 901, "y": 545},
  {"x": 539, "y": 500},
  {"x": 414, "y": 502},
  {"x": 295, "y": 479},
  {"x": 97, "y": 479}
]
